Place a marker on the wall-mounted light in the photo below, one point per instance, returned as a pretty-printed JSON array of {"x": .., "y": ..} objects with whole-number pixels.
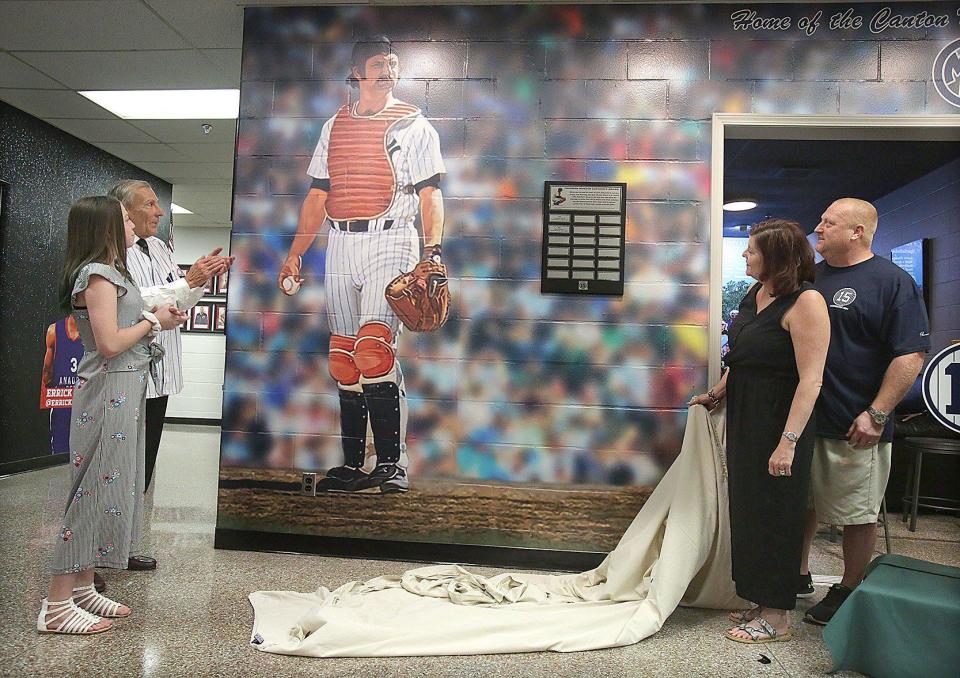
[{"x": 739, "y": 205}]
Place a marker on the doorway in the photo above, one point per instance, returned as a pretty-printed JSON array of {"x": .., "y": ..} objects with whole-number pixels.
[{"x": 790, "y": 164}]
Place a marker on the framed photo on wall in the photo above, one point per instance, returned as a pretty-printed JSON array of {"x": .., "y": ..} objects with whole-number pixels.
[
  {"x": 220, "y": 318},
  {"x": 201, "y": 317},
  {"x": 223, "y": 282},
  {"x": 210, "y": 286}
]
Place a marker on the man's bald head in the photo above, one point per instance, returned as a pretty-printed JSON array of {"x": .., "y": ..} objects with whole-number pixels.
[
  {"x": 859, "y": 212},
  {"x": 846, "y": 230}
]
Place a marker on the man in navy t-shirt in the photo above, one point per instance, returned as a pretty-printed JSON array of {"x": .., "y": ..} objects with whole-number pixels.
[{"x": 878, "y": 335}]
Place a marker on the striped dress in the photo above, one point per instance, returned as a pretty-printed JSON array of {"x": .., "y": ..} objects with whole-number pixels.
[{"x": 102, "y": 518}]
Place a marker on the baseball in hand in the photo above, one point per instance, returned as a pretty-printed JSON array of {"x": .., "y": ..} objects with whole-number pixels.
[{"x": 290, "y": 285}]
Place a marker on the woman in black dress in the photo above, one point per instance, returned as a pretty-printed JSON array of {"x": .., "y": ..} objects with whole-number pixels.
[{"x": 778, "y": 346}]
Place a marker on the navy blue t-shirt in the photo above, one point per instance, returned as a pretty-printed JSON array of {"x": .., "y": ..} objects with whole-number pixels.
[{"x": 876, "y": 314}]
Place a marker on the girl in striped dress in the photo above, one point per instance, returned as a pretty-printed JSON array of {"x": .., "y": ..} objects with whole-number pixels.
[{"x": 103, "y": 508}]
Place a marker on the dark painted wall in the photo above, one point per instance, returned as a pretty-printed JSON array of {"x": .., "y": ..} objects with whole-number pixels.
[
  {"x": 929, "y": 208},
  {"x": 46, "y": 169}
]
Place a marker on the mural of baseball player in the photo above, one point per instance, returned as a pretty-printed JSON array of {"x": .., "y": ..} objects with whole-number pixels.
[
  {"x": 376, "y": 168},
  {"x": 58, "y": 379}
]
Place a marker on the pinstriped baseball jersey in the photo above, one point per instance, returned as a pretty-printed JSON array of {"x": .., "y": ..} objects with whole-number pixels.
[
  {"x": 411, "y": 143},
  {"x": 158, "y": 269}
]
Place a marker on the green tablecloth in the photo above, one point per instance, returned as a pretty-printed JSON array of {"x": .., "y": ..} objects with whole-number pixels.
[{"x": 903, "y": 620}]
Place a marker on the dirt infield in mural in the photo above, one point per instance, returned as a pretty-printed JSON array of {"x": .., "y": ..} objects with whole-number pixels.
[{"x": 435, "y": 510}]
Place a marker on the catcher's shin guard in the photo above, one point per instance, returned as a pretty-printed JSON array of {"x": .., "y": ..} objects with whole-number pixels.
[
  {"x": 383, "y": 403},
  {"x": 353, "y": 427}
]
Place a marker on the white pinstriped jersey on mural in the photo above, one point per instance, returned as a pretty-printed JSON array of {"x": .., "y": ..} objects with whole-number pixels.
[
  {"x": 155, "y": 270},
  {"x": 402, "y": 136}
]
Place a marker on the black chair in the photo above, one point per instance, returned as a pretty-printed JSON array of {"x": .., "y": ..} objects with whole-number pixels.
[{"x": 912, "y": 500}]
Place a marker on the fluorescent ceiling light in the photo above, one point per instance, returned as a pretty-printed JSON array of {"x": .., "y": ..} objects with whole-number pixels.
[
  {"x": 169, "y": 104},
  {"x": 176, "y": 209},
  {"x": 739, "y": 205}
]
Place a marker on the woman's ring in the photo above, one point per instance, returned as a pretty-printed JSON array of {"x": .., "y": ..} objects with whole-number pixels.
[{"x": 782, "y": 472}]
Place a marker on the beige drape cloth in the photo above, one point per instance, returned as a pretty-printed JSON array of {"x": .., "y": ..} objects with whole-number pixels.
[{"x": 676, "y": 551}]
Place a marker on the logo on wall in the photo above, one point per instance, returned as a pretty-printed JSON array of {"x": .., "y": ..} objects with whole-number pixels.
[
  {"x": 946, "y": 73},
  {"x": 941, "y": 387}
]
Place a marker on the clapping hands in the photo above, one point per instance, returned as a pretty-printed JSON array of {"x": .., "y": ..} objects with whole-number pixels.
[
  {"x": 169, "y": 316},
  {"x": 208, "y": 266}
]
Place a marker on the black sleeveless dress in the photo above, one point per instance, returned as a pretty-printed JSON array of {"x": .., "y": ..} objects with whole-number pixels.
[{"x": 766, "y": 512}]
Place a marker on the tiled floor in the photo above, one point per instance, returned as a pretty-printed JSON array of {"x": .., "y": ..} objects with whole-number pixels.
[{"x": 191, "y": 616}]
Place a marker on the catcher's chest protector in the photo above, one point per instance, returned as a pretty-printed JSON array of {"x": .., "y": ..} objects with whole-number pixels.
[{"x": 363, "y": 181}]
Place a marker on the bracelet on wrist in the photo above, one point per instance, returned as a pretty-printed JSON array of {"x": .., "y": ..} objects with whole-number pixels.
[{"x": 713, "y": 396}]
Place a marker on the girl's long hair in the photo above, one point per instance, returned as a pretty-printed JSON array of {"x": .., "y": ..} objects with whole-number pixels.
[{"x": 95, "y": 234}]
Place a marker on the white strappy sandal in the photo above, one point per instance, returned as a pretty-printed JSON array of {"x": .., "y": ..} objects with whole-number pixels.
[
  {"x": 69, "y": 619},
  {"x": 87, "y": 598}
]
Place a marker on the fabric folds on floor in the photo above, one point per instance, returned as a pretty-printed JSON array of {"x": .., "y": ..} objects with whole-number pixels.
[{"x": 676, "y": 552}]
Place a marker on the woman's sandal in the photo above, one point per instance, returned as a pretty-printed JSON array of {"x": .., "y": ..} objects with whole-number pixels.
[
  {"x": 770, "y": 634},
  {"x": 745, "y": 616},
  {"x": 87, "y": 598},
  {"x": 69, "y": 618}
]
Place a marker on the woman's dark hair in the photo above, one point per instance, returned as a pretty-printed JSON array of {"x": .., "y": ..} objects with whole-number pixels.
[
  {"x": 94, "y": 234},
  {"x": 786, "y": 254},
  {"x": 365, "y": 49}
]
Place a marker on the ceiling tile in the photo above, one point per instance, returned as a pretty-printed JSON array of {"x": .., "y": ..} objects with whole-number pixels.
[
  {"x": 206, "y": 152},
  {"x": 197, "y": 200},
  {"x": 173, "y": 171},
  {"x": 199, "y": 221},
  {"x": 215, "y": 23},
  {"x": 133, "y": 152},
  {"x": 149, "y": 69},
  {"x": 94, "y": 131},
  {"x": 189, "y": 131},
  {"x": 207, "y": 182},
  {"x": 203, "y": 198},
  {"x": 47, "y": 24},
  {"x": 15, "y": 73},
  {"x": 54, "y": 103},
  {"x": 228, "y": 61}
]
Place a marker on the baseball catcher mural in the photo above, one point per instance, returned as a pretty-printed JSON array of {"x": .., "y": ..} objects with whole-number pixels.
[{"x": 376, "y": 168}]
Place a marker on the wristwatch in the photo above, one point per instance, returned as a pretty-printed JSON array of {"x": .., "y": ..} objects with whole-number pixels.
[
  {"x": 791, "y": 436},
  {"x": 879, "y": 416}
]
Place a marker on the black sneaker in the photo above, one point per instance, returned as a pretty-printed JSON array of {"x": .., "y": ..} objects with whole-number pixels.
[
  {"x": 805, "y": 586},
  {"x": 342, "y": 479},
  {"x": 823, "y": 612},
  {"x": 388, "y": 478}
]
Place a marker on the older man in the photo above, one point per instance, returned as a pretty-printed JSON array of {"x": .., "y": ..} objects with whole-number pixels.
[
  {"x": 150, "y": 262},
  {"x": 879, "y": 334}
]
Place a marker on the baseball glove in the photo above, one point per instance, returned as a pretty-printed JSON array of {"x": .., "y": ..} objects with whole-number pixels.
[{"x": 421, "y": 297}]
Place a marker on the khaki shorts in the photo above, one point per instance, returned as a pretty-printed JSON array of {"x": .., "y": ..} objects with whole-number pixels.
[{"x": 847, "y": 484}]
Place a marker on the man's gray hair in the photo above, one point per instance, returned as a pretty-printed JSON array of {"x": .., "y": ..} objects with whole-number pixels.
[{"x": 125, "y": 190}]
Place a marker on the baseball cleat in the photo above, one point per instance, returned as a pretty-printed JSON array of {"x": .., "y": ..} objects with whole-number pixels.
[
  {"x": 343, "y": 479},
  {"x": 387, "y": 478}
]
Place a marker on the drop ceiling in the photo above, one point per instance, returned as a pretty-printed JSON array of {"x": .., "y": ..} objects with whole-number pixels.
[{"x": 49, "y": 49}]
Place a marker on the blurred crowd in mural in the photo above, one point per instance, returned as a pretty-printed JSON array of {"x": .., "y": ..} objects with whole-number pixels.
[{"x": 517, "y": 386}]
